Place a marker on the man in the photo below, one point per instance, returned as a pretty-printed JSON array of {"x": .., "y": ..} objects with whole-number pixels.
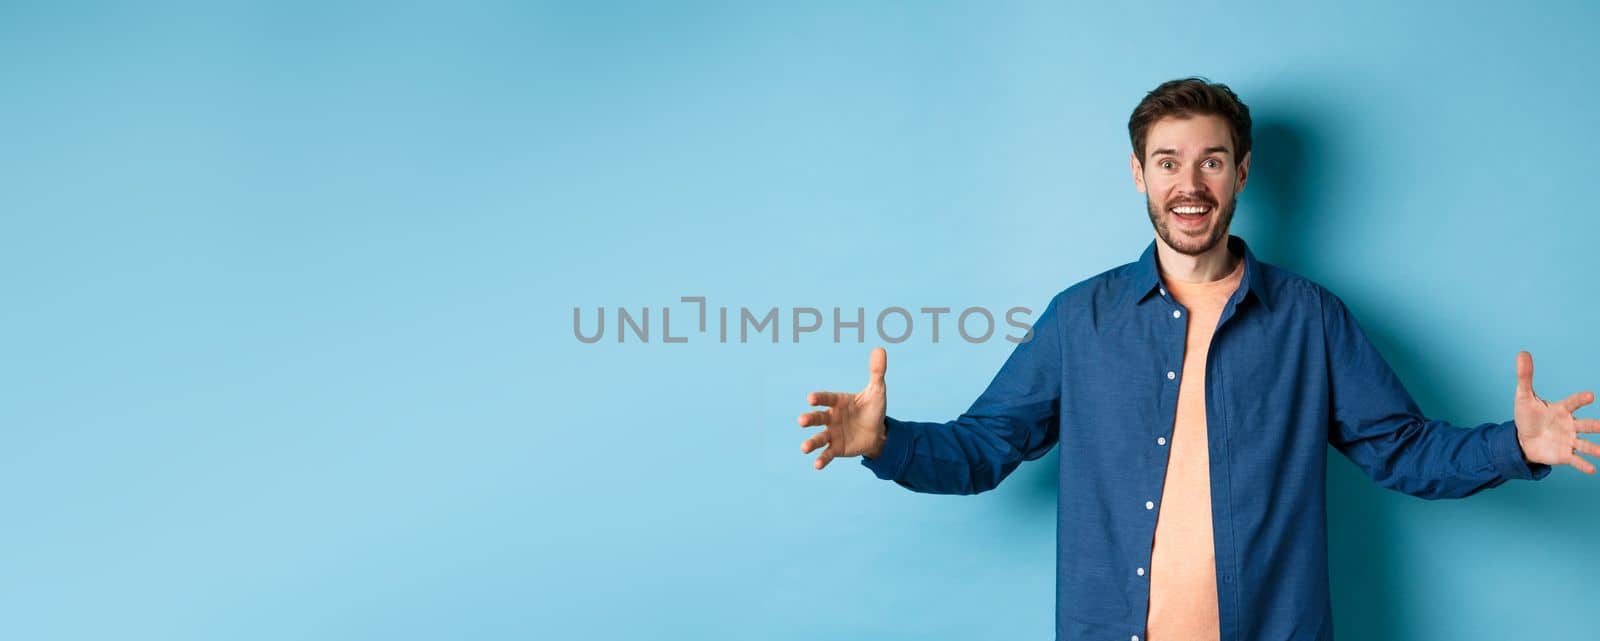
[{"x": 1193, "y": 393}]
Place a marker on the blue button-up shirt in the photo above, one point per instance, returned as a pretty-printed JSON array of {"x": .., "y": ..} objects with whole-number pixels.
[{"x": 1289, "y": 373}]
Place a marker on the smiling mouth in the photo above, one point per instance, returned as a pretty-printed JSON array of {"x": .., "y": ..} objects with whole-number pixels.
[{"x": 1190, "y": 212}]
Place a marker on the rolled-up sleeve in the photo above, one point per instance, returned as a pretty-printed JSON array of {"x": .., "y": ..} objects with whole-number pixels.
[
  {"x": 1016, "y": 419},
  {"x": 1376, "y": 424}
]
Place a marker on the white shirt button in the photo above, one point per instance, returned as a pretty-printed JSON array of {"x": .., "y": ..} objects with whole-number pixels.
[
  {"x": 1171, "y": 374},
  {"x": 1141, "y": 571},
  {"x": 1135, "y": 637},
  {"x": 1163, "y": 291},
  {"x": 1149, "y": 505},
  {"x": 1161, "y": 440},
  {"x": 1176, "y": 313}
]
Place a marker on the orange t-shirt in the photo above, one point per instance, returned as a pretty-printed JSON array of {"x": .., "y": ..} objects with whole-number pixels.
[{"x": 1183, "y": 569}]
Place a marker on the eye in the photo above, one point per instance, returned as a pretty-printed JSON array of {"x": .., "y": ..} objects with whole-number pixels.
[
  {"x": 1213, "y": 163},
  {"x": 1166, "y": 164}
]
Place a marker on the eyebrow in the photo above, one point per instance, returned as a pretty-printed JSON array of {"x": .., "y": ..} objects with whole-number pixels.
[{"x": 1174, "y": 152}]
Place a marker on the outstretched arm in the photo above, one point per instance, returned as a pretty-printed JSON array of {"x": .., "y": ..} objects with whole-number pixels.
[
  {"x": 1376, "y": 424},
  {"x": 1015, "y": 419}
]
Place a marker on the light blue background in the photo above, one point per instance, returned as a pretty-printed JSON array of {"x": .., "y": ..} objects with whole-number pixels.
[{"x": 288, "y": 288}]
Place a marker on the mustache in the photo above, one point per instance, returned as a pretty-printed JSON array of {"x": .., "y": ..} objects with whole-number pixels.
[{"x": 1193, "y": 201}]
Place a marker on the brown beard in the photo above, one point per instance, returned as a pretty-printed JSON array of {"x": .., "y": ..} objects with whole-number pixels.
[{"x": 1219, "y": 231}]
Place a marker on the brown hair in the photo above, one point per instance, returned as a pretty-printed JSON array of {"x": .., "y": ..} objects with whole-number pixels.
[{"x": 1188, "y": 97}]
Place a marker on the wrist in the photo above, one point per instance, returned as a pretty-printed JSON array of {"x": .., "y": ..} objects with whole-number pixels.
[{"x": 877, "y": 445}]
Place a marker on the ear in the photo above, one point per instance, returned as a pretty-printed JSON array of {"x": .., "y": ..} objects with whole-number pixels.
[
  {"x": 1244, "y": 172},
  {"x": 1138, "y": 172}
]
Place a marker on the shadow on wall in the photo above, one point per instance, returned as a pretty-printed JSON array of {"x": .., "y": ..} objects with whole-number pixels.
[{"x": 1297, "y": 160}]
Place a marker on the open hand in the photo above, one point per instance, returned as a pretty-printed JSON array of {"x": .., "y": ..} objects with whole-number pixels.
[
  {"x": 854, "y": 421},
  {"x": 1548, "y": 432}
]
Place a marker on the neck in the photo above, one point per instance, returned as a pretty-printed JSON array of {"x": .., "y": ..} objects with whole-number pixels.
[{"x": 1214, "y": 264}]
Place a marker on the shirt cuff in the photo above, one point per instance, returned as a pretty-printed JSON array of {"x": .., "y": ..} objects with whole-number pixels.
[
  {"x": 1508, "y": 456},
  {"x": 896, "y": 450}
]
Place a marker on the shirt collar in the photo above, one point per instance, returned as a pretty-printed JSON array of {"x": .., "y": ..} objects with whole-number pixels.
[{"x": 1145, "y": 276}]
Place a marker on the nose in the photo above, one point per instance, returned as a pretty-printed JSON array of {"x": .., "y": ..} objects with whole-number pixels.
[{"x": 1193, "y": 181}]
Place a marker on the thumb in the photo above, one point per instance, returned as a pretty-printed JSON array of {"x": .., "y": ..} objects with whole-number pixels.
[
  {"x": 877, "y": 364},
  {"x": 1524, "y": 375}
]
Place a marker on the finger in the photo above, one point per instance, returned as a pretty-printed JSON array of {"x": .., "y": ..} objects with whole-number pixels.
[
  {"x": 877, "y": 365},
  {"x": 813, "y": 419},
  {"x": 824, "y": 458},
  {"x": 1589, "y": 425},
  {"x": 1572, "y": 403},
  {"x": 825, "y": 399},
  {"x": 817, "y": 440},
  {"x": 1585, "y": 447},
  {"x": 1579, "y": 462},
  {"x": 1524, "y": 375}
]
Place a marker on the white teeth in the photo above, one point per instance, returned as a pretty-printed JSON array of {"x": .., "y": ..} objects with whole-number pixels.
[{"x": 1190, "y": 210}]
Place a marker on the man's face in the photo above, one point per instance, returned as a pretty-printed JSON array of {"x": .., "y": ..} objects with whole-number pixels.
[{"x": 1191, "y": 180}]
